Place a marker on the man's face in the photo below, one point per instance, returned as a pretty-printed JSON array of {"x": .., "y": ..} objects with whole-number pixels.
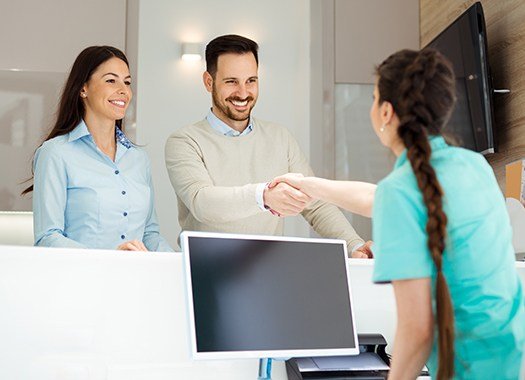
[{"x": 234, "y": 89}]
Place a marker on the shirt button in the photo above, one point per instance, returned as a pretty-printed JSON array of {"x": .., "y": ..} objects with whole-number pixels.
[
  {"x": 125, "y": 213},
  {"x": 123, "y": 192},
  {"x": 122, "y": 237},
  {"x": 116, "y": 172}
]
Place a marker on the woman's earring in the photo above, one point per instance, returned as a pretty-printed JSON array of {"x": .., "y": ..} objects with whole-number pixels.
[
  {"x": 382, "y": 128},
  {"x": 83, "y": 94}
]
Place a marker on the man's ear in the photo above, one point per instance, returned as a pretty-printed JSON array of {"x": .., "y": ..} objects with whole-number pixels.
[{"x": 207, "y": 79}]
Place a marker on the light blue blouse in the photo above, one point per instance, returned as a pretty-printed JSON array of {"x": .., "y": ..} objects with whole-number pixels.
[
  {"x": 478, "y": 262},
  {"x": 82, "y": 199}
]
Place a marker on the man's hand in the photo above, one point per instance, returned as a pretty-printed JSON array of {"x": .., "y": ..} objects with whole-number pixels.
[
  {"x": 285, "y": 200},
  {"x": 132, "y": 245},
  {"x": 364, "y": 252}
]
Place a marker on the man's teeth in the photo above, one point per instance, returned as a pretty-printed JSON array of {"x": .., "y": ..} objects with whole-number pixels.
[
  {"x": 239, "y": 104},
  {"x": 118, "y": 102}
]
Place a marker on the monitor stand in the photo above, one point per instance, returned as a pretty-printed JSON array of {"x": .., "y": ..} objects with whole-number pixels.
[{"x": 265, "y": 369}]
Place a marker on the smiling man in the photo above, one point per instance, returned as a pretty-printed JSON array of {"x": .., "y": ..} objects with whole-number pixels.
[{"x": 220, "y": 166}]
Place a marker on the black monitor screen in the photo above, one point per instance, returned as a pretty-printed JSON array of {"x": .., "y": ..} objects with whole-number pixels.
[
  {"x": 253, "y": 294},
  {"x": 464, "y": 43}
]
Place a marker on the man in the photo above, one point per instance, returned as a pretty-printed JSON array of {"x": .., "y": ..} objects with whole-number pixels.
[{"x": 220, "y": 166}]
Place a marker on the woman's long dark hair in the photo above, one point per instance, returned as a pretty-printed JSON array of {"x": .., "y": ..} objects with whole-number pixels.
[
  {"x": 71, "y": 108},
  {"x": 420, "y": 85}
]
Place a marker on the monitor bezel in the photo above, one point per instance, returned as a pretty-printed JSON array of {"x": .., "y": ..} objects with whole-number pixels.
[{"x": 256, "y": 354}]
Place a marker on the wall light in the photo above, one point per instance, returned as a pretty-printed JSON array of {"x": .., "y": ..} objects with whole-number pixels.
[{"x": 191, "y": 51}]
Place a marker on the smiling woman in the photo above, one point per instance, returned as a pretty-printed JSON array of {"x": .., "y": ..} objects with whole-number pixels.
[{"x": 92, "y": 185}]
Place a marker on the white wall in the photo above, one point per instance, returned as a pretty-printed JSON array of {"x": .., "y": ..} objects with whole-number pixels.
[{"x": 170, "y": 93}]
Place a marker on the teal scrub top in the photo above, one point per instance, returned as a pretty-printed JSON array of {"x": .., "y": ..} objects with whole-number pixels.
[{"x": 478, "y": 262}]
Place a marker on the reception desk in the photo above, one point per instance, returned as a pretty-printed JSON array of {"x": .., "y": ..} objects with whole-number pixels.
[{"x": 75, "y": 314}]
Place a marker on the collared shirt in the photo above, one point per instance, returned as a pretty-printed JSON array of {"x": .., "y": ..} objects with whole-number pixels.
[
  {"x": 82, "y": 199},
  {"x": 224, "y": 129},
  {"x": 478, "y": 261}
]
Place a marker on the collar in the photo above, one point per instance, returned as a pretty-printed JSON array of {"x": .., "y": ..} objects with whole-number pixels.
[
  {"x": 436, "y": 143},
  {"x": 224, "y": 129},
  {"x": 81, "y": 130}
]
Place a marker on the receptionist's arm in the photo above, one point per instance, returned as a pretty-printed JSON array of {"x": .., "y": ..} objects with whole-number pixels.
[
  {"x": 415, "y": 327},
  {"x": 356, "y": 197}
]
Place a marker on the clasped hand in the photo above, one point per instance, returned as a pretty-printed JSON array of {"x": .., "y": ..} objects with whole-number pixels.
[
  {"x": 132, "y": 245},
  {"x": 284, "y": 197}
]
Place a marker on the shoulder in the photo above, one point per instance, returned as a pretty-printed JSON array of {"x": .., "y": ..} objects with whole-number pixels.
[
  {"x": 274, "y": 131},
  {"x": 269, "y": 126},
  {"x": 53, "y": 148},
  {"x": 398, "y": 190},
  {"x": 139, "y": 154},
  {"x": 188, "y": 131}
]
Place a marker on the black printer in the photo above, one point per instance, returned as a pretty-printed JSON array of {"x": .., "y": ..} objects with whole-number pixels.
[{"x": 372, "y": 363}]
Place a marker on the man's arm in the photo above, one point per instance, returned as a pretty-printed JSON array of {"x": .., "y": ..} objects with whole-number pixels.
[
  {"x": 326, "y": 219},
  {"x": 208, "y": 203}
]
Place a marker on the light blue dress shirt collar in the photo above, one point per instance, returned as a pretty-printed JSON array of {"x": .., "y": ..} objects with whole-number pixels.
[
  {"x": 436, "y": 143},
  {"x": 82, "y": 131},
  {"x": 223, "y": 128}
]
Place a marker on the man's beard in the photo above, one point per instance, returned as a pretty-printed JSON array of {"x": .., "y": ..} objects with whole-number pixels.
[{"x": 229, "y": 112}]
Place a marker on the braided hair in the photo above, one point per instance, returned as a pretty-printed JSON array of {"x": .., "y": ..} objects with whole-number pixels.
[{"x": 420, "y": 85}]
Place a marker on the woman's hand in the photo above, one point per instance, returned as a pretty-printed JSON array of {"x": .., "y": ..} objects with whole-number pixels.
[
  {"x": 132, "y": 245},
  {"x": 293, "y": 179}
]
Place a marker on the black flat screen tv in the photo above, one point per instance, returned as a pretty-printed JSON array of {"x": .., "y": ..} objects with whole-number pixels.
[{"x": 464, "y": 43}]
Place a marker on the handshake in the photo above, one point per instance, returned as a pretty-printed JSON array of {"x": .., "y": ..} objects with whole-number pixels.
[
  {"x": 291, "y": 193},
  {"x": 285, "y": 195}
]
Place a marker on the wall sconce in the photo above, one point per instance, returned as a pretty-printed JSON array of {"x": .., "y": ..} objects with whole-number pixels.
[{"x": 191, "y": 51}]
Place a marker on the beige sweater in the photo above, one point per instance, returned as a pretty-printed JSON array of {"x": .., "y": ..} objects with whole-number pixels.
[{"x": 215, "y": 178}]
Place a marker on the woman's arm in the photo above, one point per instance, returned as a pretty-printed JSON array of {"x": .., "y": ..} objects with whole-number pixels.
[
  {"x": 415, "y": 328},
  {"x": 356, "y": 197},
  {"x": 50, "y": 199}
]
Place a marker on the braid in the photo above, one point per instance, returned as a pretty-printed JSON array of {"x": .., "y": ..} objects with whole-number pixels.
[{"x": 424, "y": 101}]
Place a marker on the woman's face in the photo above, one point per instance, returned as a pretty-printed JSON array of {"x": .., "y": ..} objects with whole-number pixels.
[
  {"x": 375, "y": 115},
  {"x": 108, "y": 92}
]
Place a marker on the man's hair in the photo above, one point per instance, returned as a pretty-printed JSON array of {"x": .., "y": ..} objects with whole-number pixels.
[{"x": 230, "y": 43}]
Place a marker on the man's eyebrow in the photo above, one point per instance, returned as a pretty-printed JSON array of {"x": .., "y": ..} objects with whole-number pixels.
[{"x": 233, "y": 78}]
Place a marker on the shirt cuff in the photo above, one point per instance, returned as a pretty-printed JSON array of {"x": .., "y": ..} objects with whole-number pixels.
[
  {"x": 259, "y": 195},
  {"x": 356, "y": 246}
]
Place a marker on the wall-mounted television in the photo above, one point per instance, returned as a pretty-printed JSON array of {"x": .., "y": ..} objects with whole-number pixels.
[{"x": 464, "y": 43}]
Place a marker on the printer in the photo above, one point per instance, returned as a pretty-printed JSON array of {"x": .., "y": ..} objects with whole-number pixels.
[{"x": 372, "y": 363}]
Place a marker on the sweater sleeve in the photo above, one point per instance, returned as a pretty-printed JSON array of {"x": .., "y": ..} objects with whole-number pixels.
[
  {"x": 326, "y": 219},
  {"x": 208, "y": 203}
]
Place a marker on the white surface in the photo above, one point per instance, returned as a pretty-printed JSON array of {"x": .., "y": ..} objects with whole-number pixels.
[
  {"x": 76, "y": 314},
  {"x": 16, "y": 228},
  {"x": 170, "y": 93},
  {"x": 517, "y": 220}
]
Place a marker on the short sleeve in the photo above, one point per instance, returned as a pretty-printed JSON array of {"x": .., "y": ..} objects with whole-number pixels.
[{"x": 399, "y": 234}]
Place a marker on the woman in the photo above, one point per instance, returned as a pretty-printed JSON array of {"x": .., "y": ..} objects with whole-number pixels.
[
  {"x": 441, "y": 231},
  {"x": 92, "y": 186}
]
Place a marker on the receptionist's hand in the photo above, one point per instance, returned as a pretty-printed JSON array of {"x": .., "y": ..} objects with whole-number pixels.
[
  {"x": 132, "y": 245},
  {"x": 364, "y": 252}
]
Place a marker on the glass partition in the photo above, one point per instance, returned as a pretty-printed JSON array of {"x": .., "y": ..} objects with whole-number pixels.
[
  {"x": 359, "y": 155},
  {"x": 28, "y": 102}
]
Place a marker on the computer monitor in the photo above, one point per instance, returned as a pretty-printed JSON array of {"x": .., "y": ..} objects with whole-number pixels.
[{"x": 268, "y": 297}]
